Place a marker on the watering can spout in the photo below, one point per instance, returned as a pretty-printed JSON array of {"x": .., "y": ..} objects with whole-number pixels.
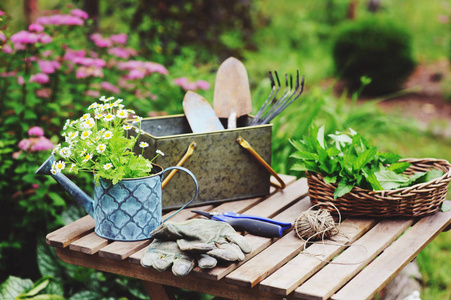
[{"x": 80, "y": 196}]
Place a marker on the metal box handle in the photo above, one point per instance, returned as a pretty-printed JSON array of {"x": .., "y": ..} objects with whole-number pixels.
[
  {"x": 243, "y": 143},
  {"x": 188, "y": 153}
]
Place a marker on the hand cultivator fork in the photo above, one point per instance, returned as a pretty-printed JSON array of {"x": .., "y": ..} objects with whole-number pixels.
[{"x": 272, "y": 107}]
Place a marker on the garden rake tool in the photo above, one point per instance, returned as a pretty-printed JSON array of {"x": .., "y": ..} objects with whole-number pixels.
[{"x": 273, "y": 106}]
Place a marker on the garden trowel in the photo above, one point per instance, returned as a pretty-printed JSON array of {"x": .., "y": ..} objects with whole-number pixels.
[
  {"x": 232, "y": 97},
  {"x": 200, "y": 114}
]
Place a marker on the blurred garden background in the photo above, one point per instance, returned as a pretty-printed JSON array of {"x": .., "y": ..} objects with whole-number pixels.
[{"x": 380, "y": 67}]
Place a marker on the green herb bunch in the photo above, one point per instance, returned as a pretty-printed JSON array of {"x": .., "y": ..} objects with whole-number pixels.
[
  {"x": 347, "y": 159},
  {"x": 99, "y": 142}
]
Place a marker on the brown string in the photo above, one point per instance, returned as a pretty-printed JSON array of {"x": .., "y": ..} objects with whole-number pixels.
[{"x": 319, "y": 225}]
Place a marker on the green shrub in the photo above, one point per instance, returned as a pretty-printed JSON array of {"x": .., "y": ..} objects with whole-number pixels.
[{"x": 376, "y": 48}]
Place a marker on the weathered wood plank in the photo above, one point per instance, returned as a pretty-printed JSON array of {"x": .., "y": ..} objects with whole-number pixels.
[
  {"x": 332, "y": 277},
  {"x": 123, "y": 267},
  {"x": 385, "y": 267},
  {"x": 300, "y": 268},
  {"x": 282, "y": 199},
  {"x": 89, "y": 244},
  {"x": 122, "y": 250},
  {"x": 274, "y": 256},
  {"x": 63, "y": 236}
]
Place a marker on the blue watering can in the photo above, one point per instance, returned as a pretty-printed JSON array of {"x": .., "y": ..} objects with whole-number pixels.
[{"x": 126, "y": 211}]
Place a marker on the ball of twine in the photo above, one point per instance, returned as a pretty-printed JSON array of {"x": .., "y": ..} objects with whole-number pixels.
[{"x": 315, "y": 225}]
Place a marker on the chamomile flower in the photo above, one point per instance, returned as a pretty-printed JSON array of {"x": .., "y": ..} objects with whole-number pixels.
[
  {"x": 127, "y": 127},
  {"x": 85, "y": 117},
  {"x": 83, "y": 152},
  {"x": 59, "y": 166},
  {"x": 102, "y": 98},
  {"x": 72, "y": 123},
  {"x": 65, "y": 152},
  {"x": 143, "y": 145},
  {"x": 85, "y": 134},
  {"x": 107, "y": 166},
  {"x": 159, "y": 152},
  {"x": 90, "y": 123},
  {"x": 94, "y": 105},
  {"x": 108, "y": 135},
  {"x": 87, "y": 157},
  {"x": 98, "y": 116},
  {"x": 116, "y": 103},
  {"x": 131, "y": 111},
  {"x": 149, "y": 165},
  {"x": 72, "y": 167},
  {"x": 138, "y": 119},
  {"x": 122, "y": 114},
  {"x": 101, "y": 131},
  {"x": 109, "y": 117},
  {"x": 101, "y": 148},
  {"x": 53, "y": 169},
  {"x": 66, "y": 125},
  {"x": 71, "y": 135},
  {"x": 56, "y": 149}
]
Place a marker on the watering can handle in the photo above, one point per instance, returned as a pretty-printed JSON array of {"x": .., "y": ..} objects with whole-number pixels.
[{"x": 195, "y": 182}]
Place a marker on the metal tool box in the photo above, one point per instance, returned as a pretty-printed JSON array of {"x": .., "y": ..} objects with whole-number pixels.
[{"x": 225, "y": 170}]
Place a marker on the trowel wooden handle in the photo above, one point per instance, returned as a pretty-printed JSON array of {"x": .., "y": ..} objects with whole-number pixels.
[
  {"x": 243, "y": 143},
  {"x": 188, "y": 153}
]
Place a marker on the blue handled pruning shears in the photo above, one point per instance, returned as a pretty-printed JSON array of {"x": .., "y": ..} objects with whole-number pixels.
[{"x": 253, "y": 224}]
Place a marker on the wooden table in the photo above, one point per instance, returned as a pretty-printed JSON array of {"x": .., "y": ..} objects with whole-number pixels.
[{"x": 276, "y": 268}]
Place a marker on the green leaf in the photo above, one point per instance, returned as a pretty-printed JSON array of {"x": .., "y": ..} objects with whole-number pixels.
[
  {"x": 445, "y": 207},
  {"x": 342, "y": 189},
  {"x": 389, "y": 158},
  {"x": 47, "y": 297},
  {"x": 364, "y": 158},
  {"x": 330, "y": 179},
  {"x": 86, "y": 295},
  {"x": 299, "y": 167},
  {"x": 14, "y": 286},
  {"x": 433, "y": 174},
  {"x": 389, "y": 180},
  {"x": 303, "y": 155},
  {"x": 37, "y": 287},
  {"x": 372, "y": 180},
  {"x": 320, "y": 137},
  {"x": 399, "y": 167}
]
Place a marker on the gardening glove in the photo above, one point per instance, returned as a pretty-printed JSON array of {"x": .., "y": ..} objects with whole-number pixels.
[
  {"x": 162, "y": 254},
  {"x": 214, "y": 238}
]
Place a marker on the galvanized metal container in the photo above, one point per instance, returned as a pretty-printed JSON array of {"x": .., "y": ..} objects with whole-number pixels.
[{"x": 225, "y": 171}]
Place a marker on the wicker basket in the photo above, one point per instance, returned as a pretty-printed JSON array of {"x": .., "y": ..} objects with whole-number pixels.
[{"x": 414, "y": 201}]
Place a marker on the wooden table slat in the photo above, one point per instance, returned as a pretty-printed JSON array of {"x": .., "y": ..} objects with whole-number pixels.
[
  {"x": 275, "y": 255},
  {"x": 284, "y": 198},
  {"x": 309, "y": 261},
  {"x": 332, "y": 277},
  {"x": 385, "y": 267},
  {"x": 89, "y": 244},
  {"x": 122, "y": 250},
  {"x": 63, "y": 236}
]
